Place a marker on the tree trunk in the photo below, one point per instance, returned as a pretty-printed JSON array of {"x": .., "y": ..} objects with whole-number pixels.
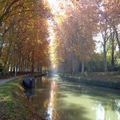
[
  {"x": 32, "y": 67},
  {"x": 15, "y": 70},
  {"x": 83, "y": 67},
  {"x": 112, "y": 51},
  {"x": 105, "y": 57},
  {"x": 117, "y": 38},
  {"x": 1, "y": 45},
  {"x": 104, "y": 52},
  {"x": 39, "y": 69}
]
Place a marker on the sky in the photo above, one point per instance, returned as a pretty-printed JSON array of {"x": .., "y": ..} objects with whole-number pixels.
[{"x": 98, "y": 42}]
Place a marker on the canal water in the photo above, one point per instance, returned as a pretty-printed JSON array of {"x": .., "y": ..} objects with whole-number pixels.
[{"x": 61, "y": 100}]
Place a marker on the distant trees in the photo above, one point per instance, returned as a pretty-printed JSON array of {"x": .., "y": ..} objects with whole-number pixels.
[
  {"x": 76, "y": 45},
  {"x": 76, "y": 35},
  {"x": 24, "y": 29},
  {"x": 109, "y": 19}
]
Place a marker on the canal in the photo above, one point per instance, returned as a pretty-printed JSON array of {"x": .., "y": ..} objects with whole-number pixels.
[{"x": 61, "y": 100}]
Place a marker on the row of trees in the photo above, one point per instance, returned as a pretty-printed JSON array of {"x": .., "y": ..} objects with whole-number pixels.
[
  {"x": 23, "y": 36},
  {"x": 23, "y": 33},
  {"x": 76, "y": 46},
  {"x": 109, "y": 28}
]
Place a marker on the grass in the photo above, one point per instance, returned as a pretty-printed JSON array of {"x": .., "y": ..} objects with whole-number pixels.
[
  {"x": 103, "y": 76},
  {"x": 14, "y": 105},
  {"x": 100, "y": 79},
  {"x": 7, "y": 88},
  {"x": 8, "y": 105}
]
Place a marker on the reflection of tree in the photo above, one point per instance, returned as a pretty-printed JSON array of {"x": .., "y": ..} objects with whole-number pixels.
[
  {"x": 51, "y": 110},
  {"x": 108, "y": 99},
  {"x": 42, "y": 83},
  {"x": 116, "y": 105},
  {"x": 70, "y": 112},
  {"x": 36, "y": 107}
]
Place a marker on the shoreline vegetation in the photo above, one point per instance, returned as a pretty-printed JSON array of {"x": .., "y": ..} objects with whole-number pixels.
[
  {"x": 8, "y": 105},
  {"x": 98, "y": 79},
  {"x": 14, "y": 104}
]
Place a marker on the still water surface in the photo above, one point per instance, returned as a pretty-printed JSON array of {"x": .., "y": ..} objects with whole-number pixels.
[{"x": 69, "y": 101}]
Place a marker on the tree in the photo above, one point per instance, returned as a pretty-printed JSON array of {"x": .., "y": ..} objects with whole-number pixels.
[
  {"x": 24, "y": 44},
  {"x": 76, "y": 34},
  {"x": 108, "y": 22}
]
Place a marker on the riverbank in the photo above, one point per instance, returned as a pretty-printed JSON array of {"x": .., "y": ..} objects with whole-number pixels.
[
  {"x": 14, "y": 104},
  {"x": 3, "y": 81},
  {"x": 7, "y": 103},
  {"x": 99, "y": 79}
]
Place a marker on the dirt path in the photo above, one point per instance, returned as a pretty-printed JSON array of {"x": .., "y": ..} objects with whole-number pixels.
[{"x": 3, "y": 81}]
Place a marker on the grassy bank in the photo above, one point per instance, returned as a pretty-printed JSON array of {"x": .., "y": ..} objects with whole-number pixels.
[
  {"x": 107, "y": 76},
  {"x": 14, "y": 104},
  {"x": 109, "y": 79},
  {"x": 7, "y": 103}
]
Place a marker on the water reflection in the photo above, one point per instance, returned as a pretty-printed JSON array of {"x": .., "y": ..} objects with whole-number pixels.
[
  {"x": 117, "y": 111},
  {"x": 96, "y": 103},
  {"x": 51, "y": 101},
  {"x": 56, "y": 100},
  {"x": 29, "y": 93},
  {"x": 100, "y": 112}
]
